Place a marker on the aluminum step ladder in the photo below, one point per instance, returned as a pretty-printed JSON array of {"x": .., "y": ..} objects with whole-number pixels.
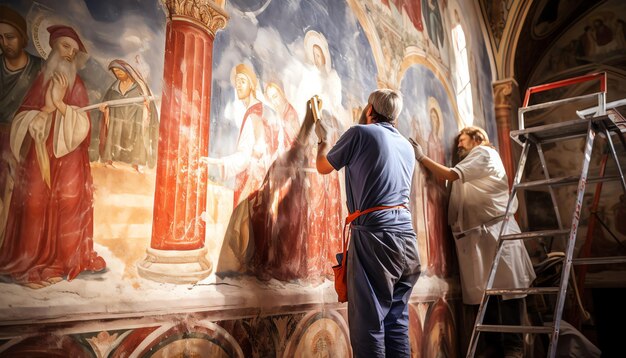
[{"x": 592, "y": 122}]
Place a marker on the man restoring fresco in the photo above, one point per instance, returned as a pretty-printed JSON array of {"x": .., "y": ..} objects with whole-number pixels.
[
  {"x": 478, "y": 202},
  {"x": 383, "y": 261}
]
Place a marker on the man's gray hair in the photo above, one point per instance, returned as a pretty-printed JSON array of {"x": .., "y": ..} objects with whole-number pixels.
[{"x": 387, "y": 103}]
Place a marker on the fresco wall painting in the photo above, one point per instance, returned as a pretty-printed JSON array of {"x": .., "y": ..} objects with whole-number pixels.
[{"x": 201, "y": 207}]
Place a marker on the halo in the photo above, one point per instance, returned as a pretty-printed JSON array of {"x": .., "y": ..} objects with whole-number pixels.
[
  {"x": 40, "y": 34},
  {"x": 312, "y": 38},
  {"x": 434, "y": 104},
  {"x": 233, "y": 74},
  {"x": 256, "y": 90}
]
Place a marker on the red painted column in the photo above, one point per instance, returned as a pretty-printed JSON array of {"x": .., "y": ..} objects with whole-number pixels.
[
  {"x": 502, "y": 100},
  {"x": 177, "y": 252}
]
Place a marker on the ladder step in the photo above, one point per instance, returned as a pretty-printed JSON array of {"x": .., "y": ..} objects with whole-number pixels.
[
  {"x": 521, "y": 291},
  {"x": 514, "y": 329},
  {"x": 560, "y": 131},
  {"x": 534, "y": 234},
  {"x": 599, "y": 260},
  {"x": 552, "y": 132},
  {"x": 564, "y": 181}
]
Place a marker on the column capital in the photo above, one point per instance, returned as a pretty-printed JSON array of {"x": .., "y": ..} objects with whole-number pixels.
[
  {"x": 207, "y": 13},
  {"x": 502, "y": 91}
]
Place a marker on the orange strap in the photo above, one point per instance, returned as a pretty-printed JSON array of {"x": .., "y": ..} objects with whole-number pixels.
[{"x": 352, "y": 216}]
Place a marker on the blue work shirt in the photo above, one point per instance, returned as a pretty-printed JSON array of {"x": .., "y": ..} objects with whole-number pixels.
[{"x": 379, "y": 165}]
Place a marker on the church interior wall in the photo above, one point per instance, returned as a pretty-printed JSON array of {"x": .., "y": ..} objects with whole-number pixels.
[{"x": 263, "y": 225}]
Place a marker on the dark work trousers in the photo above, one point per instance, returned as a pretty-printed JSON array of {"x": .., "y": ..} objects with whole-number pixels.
[
  {"x": 382, "y": 269},
  {"x": 502, "y": 312}
]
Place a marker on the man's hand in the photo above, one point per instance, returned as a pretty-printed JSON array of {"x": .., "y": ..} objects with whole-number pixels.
[{"x": 417, "y": 149}]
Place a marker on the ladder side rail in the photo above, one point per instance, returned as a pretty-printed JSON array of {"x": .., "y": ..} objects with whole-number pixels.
[
  {"x": 586, "y": 248},
  {"x": 544, "y": 105},
  {"x": 521, "y": 165},
  {"x": 593, "y": 111},
  {"x": 480, "y": 316},
  {"x": 482, "y": 309},
  {"x": 571, "y": 243},
  {"x": 546, "y": 173},
  {"x": 563, "y": 83},
  {"x": 614, "y": 154},
  {"x": 567, "y": 82},
  {"x": 520, "y": 118},
  {"x": 602, "y": 103},
  {"x": 620, "y": 135}
]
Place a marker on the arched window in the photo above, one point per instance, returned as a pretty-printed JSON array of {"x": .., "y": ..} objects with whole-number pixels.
[{"x": 463, "y": 86}]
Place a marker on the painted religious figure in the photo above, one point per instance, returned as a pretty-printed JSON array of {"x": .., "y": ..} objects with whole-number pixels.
[
  {"x": 258, "y": 139},
  {"x": 436, "y": 198},
  {"x": 49, "y": 232},
  {"x": 412, "y": 8},
  {"x": 128, "y": 131},
  {"x": 434, "y": 22},
  {"x": 257, "y": 147},
  {"x": 295, "y": 216},
  {"x": 18, "y": 70},
  {"x": 321, "y": 79},
  {"x": 287, "y": 115}
]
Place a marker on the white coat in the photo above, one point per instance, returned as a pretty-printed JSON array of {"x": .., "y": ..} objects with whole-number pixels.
[{"x": 476, "y": 213}]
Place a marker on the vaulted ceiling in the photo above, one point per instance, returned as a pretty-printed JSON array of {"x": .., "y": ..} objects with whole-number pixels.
[
  {"x": 538, "y": 41},
  {"x": 543, "y": 25}
]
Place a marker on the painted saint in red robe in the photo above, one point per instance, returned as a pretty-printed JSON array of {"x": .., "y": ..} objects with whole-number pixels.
[
  {"x": 49, "y": 233},
  {"x": 439, "y": 247}
]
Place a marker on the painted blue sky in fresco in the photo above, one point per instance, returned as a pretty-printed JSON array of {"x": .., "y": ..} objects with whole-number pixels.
[
  {"x": 350, "y": 52},
  {"x": 276, "y": 51},
  {"x": 267, "y": 34}
]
